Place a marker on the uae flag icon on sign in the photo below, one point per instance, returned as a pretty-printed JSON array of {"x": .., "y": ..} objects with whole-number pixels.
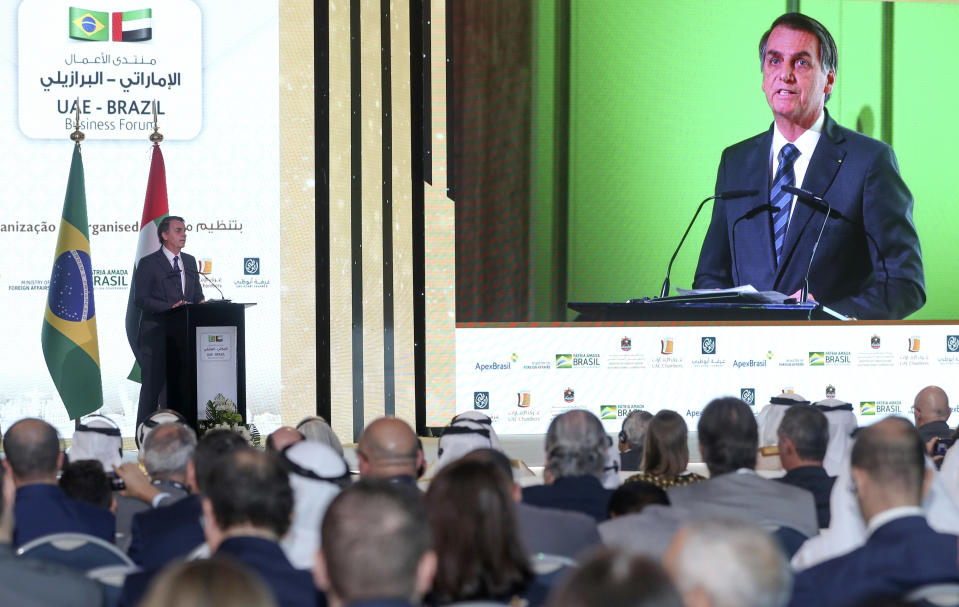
[{"x": 133, "y": 26}]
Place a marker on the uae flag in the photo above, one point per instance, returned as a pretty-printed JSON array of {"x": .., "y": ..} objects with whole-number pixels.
[
  {"x": 155, "y": 208},
  {"x": 133, "y": 26}
]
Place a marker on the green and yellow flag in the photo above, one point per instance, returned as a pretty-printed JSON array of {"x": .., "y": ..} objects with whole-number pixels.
[
  {"x": 89, "y": 25},
  {"x": 69, "y": 334}
]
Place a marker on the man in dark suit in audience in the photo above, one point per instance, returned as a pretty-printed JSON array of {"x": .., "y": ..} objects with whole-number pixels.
[
  {"x": 931, "y": 411},
  {"x": 803, "y": 439},
  {"x": 171, "y": 531},
  {"x": 632, "y": 438},
  {"x": 41, "y": 508},
  {"x": 376, "y": 547},
  {"x": 901, "y": 552},
  {"x": 728, "y": 440},
  {"x": 576, "y": 447},
  {"x": 247, "y": 507},
  {"x": 388, "y": 450}
]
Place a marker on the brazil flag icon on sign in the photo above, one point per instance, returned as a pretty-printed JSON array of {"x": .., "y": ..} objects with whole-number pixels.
[{"x": 89, "y": 25}]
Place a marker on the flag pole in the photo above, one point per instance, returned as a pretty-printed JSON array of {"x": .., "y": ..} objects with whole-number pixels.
[
  {"x": 77, "y": 135},
  {"x": 155, "y": 137}
]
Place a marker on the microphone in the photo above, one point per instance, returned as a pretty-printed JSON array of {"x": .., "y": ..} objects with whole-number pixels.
[
  {"x": 727, "y": 195},
  {"x": 815, "y": 201},
  {"x": 199, "y": 264}
]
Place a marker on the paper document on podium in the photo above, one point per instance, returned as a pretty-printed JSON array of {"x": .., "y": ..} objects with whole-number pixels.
[{"x": 744, "y": 293}]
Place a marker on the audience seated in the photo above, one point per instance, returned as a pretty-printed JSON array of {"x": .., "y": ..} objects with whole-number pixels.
[
  {"x": 85, "y": 481},
  {"x": 931, "y": 411},
  {"x": 475, "y": 534},
  {"x": 576, "y": 446},
  {"x": 157, "y": 418},
  {"x": 217, "y": 582},
  {"x": 376, "y": 548},
  {"x": 611, "y": 467},
  {"x": 388, "y": 449},
  {"x": 803, "y": 439},
  {"x": 842, "y": 424},
  {"x": 33, "y": 459},
  {"x": 165, "y": 453},
  {"x": 728, "y": 563},
  {"x": 283, "y": 437},
  {"x": 666, "y": 452},
  {"x": 97, "y": 437},
  {"x": 633, "y": 497},
  {"x": 610, "y": 578},
  {"x": 538, "y": 526},
  {"x": 901, "y": 551},
  {"x": 728, "y": 440},
  {"x": 316, "y": 474},
  {"x": 631, "y": 440},
  {"x": 247, "y": 507},
  {"x": 28, "y": 582},
  {"x": 466, "y": 432},
  {"x": 315, "y": 428},
  {"x": 165, "y": 533}
]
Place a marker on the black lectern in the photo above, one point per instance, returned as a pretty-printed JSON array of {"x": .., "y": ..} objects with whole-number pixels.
[{"x": 206, "y": 356}]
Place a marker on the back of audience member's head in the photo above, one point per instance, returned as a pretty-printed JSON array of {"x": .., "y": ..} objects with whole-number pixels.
[
  {"x": 156, "y": 419},
  {"x": 891, "y": 455},
  {"x": 283, "y": 437},
  {"x": 388, "y": 448},
  {"x": 632, "y": 497},
  {"x": 85, "y": 481},
  {"x": 249, "y": 489},
  {"x": 167, "y": 449},
  {"x": 612, "y": 578},
  {"x": 376, "y": 544},
  {"x": 214, "y": 445},
  {"x": 726, "y": 563},
  {"x": 483, "y": 420},
  {"x": 931, "y": 404},
  {"x": 633, "y": 433},
  {"x": 97, "y": 437},
  {"x": 728, "y": 436},
  {"x": 808, "y": 430},
  {"x": 216, "y": 582},
  {"x": 576, "y": 445},
  {"x": 666, "y": 453},
  {"x": 475, "y": 532},
  {"x": 462, "y": 435},
  {"x": 32, "y": 451},
  {"x": 315, "y": 428}
]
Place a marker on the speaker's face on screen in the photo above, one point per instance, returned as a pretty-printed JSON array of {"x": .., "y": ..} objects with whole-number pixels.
[{"x": 793, "y": 78}]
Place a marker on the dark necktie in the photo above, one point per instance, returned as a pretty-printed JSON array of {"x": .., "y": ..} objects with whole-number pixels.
[
  {"x": 179, "y": 276},
  {"x": 780, "y": 199}
]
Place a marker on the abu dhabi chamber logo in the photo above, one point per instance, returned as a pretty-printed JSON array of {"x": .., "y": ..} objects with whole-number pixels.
[
  {"x": 481, "y": 400},
  {"x": 952, "y": 343},
  {"x": 251, "y": 266},
  {"x": 748, "y": 396},
  {"x": 709, "y": 345}
]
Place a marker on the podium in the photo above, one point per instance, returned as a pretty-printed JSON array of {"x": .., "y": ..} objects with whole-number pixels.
[
  {"x": 206, "y": 356},
  {"x": 705, "y": 307}
]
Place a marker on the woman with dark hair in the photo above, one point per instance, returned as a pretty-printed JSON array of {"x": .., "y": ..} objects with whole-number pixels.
[
  {"x": 477, "y": 539},
  {"x": 666, "y": 452}
]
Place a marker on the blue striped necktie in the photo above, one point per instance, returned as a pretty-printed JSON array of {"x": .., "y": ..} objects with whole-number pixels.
[{"x": 780, "y": 199}]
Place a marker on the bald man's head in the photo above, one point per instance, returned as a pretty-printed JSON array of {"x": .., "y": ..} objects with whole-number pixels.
[
  {"x": 33, "y": 451},
  {"x": 931, "y": 405},
  {"x": 388, "y": 448},
  {"x": 283, "y": 437}
]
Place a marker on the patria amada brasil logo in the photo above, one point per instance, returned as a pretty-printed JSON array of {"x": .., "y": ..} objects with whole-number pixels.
[{"x": 95, "y": 26}]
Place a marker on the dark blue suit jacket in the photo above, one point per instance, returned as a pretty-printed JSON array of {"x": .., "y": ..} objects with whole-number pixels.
[
  {"x": 292, "y": 587},
  {"x": 898, "y": 557},
  {"x": 166, "y": 533},
  {"x": 579, "y": 493},
  {"x": 40, "y": 510},
  {"x": 815, "y": 480},
  {"x": 868, "y": 265}
]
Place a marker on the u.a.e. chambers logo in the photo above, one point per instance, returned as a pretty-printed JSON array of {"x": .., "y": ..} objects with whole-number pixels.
[{"x": 111, "y": 65}]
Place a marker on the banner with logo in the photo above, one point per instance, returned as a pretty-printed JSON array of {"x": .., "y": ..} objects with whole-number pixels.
[{"x": 523, "y": 377}]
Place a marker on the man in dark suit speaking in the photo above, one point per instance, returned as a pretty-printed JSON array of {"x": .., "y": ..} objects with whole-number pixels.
[
  {"x": 868, "y": 264},
  {"x": 163, "y": 280}
]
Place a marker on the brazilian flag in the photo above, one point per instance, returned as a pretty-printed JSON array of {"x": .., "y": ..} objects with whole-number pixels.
[
  {"x": 89, "y": 25},
  {"x": 69, "y": 334}
]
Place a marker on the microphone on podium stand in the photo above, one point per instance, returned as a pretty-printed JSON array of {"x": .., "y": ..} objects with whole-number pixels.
[
  {"x": 204, "y": 267},
  {"x": 728, "y": 195}
]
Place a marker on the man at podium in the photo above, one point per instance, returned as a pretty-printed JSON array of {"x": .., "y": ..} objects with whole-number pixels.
[
  {"x": 165, "y": 279},
  {"x": 868, "y": 263}
]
